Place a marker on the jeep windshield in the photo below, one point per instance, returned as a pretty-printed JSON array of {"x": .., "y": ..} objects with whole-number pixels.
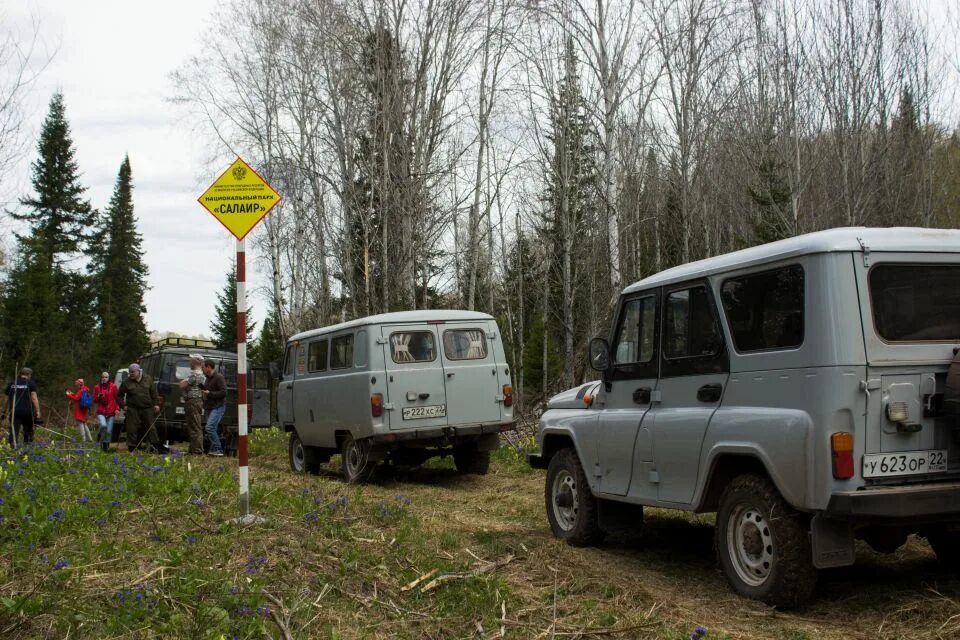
[{"x": 916, "y": 302}]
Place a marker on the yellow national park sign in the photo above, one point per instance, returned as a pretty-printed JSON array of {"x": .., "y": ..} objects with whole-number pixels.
[{"x": 239, "y": 198}]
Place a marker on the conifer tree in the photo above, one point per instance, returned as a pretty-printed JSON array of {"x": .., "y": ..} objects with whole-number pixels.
[
  {"x": 269, "y": 346},
  {"x": 119, "y": 279},
  {"x": 46, "y": 312},
  {"x": 224, "y": 325}
]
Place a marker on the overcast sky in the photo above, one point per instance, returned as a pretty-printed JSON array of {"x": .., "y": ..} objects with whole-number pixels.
[{"x": 113, "y": 65}]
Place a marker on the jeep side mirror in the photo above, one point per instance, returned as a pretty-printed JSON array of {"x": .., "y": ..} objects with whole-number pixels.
[{"x": 599, "y": 354}]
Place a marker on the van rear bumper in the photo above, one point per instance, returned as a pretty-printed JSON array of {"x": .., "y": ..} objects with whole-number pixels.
[
  {"x": 935, "y": 502},
  {"x": 445, "y": 434}
]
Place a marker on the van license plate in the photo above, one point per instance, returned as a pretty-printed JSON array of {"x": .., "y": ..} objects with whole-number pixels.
[
  {"x": 178, "y": 410},
  {"x": 428, "y": 411},
  {"x": 904, "y": 464}
]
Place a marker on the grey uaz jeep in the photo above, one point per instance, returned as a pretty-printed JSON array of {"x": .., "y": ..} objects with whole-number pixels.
[{"x": 798, "y": 389}]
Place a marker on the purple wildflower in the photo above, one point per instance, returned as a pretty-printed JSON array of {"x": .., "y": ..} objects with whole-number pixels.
[
  {"x": 60, "y": 564},
  {"x": 56, "y": 515},
  {"x": 312, "y": 517},
  {"x": 115, "y": 503},
  {"x": 83, "y": 500}
]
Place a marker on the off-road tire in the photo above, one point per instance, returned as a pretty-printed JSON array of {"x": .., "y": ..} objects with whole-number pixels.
[
  {"x": 468, "y": 460},
  {"x": 355, "y": 460},
  {"x": 779, "y": 568},
  {"x": 575, "y": 523},
  {"x": 303, "y": 459},
  {"x": 946, "y": 546}
]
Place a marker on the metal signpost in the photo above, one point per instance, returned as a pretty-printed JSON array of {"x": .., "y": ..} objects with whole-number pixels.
[{"x": 240, "y": 199}]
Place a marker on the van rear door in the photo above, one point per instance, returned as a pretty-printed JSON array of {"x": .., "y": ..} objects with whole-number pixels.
[
  {"x": 474, "y": 393},
  {"x": 415, "y": 381}
]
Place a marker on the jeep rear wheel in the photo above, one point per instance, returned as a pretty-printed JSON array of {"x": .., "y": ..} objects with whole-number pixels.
[
  {"x": 571, "y": 508},
  {"x": 355, "y": 460},
  {"x": 763, "y": 544},
  {"x": 468, "y": 460},
  {"x": 946, "y": 546}
]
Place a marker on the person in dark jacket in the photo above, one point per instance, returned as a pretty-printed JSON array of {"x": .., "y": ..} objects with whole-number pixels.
[
  {"x": 23, "y": 406},
  {"x": 138, "y": 396},
  {"x": 214, "y": 403}
]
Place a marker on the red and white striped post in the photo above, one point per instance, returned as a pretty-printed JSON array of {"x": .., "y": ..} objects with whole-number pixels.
[{"x": 242, "y": 448}]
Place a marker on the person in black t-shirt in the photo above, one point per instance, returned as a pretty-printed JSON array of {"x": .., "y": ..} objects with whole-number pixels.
[{"x": 23, "y": 406}]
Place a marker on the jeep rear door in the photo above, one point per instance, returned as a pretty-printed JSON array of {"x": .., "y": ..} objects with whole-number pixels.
[
  {"x": 911, "y": 311},
  {"x": 694, "y": 368},
  {"x": 416, "y": 394}
]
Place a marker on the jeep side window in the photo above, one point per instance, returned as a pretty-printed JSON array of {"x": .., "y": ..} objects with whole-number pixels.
[
  {"x": 635, "y": 337},
  {"x": 765, "y": 309},
  {"x": 690, "y": 327},
  {"x": 317, "y": 355},
  {"x": 341, "y": 352},
  {"x": 288, "y": 363}
]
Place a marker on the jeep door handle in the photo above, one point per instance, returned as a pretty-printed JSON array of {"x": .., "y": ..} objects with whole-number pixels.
[
  {"x": 451, "y": 374},
  {"x": 289, "y": 385},
  {"x": 642, "y": 395},
  {"x": 709, "y": 392}
]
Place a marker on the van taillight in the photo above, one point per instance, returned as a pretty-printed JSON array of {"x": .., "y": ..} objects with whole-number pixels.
[
  {"x": 841, "y": 444},
  {"x": 376, "y": 405},
  {"x": 507, "y": 395}
]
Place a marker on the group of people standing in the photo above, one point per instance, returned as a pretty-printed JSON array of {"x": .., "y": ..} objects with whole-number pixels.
[{"x": 204, "y": 389}]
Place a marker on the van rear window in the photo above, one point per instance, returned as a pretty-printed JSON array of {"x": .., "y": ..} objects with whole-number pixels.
[
  {"x": 464, "y": 344},
  {"x": 412, "y": 346},
  {"x": 914, "y": 302}
]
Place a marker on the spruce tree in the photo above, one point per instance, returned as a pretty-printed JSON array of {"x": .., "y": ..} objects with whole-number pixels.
[
  {"x": 46, "y": 312},
  {"x": 224, "y": 325},
  {"x": 269, "y": 346},
  {"x": 119, "y": 279}
]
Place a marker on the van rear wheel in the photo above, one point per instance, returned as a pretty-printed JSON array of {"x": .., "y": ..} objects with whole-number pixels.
[
  {"x": 468, "y": 460},
  {"x": 355, "y": 460}
]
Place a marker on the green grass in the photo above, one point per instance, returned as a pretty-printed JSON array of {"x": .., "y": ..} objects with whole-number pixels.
[{"x": 116, "y": 545}]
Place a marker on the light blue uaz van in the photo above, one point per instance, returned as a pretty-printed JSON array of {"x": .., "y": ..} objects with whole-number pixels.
[{"x": 398, "y": 387}]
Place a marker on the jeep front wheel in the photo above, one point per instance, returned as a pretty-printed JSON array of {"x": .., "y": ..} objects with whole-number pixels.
[
  {"x": 763, "y": 544},
  {"x": 571, "y": 508}
]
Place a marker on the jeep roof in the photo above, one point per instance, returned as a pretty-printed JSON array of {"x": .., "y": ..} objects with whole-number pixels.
[{"x": 905, "y": 239}]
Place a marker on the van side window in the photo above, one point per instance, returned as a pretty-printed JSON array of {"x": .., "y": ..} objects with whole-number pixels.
[
  {"x": 317, "y": 355},
  {"x": 765, "y": 310},
  {"x": 635, "y": 338},
  {"x": 341, "y": 352},
  {"x": 690, "y": 327},
  {"x": 301, "y": 359},
  {"x": 464, "y": 344},
  {"x": 288, "y": 362},
  {"x": 229, "y": 371},
  {"x": 413, "y": 346}
]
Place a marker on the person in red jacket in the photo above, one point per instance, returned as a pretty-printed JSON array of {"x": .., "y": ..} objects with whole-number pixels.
[
  {"x": 105, "y": 397},
  {"x": 80, "y": 409}
]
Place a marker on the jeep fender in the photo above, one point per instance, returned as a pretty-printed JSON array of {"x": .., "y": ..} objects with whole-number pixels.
[
  {"x": 778, "y": 443},
  {"x": 557, "y": 437}
]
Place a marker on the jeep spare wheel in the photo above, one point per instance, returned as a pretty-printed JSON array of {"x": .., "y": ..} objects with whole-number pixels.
[
  {"x": 571, "y": 508},
  {"x": 763, "y": 544}
]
